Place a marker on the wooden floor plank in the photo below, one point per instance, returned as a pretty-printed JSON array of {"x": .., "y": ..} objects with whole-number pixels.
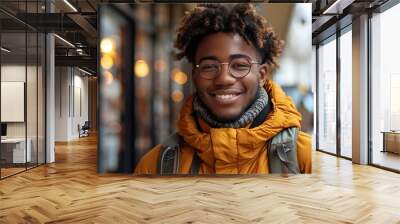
[{"x": 70, "y": 191}]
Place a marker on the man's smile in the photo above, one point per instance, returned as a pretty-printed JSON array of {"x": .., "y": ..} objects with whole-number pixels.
[{"x": 226, "y": 96}]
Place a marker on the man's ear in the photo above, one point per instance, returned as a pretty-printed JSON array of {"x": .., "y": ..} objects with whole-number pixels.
[{"x": 264, "y": 75}]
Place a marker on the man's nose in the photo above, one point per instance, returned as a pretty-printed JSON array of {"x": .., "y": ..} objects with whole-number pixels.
[{"x": 224, "y": 77}]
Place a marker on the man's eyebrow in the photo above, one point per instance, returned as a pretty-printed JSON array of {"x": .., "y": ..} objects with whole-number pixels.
[
  {"x": 208, "y": 58},
  {"x": 233, "y": 56}
]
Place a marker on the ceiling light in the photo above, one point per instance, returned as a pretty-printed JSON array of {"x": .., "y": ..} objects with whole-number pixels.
[
  {"x": 5, "y": 50},
  {"x": 70, "y": 5},
  {"x": 331, "y": 7},
  {"x": 338, "y": 6},
  {"x": 84, "y": 71},
  {"x": 65, "y": 41}
]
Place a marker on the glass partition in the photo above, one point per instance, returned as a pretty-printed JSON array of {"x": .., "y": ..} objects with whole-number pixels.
[
  {"x": 14, "y": 153},
  {"x": 385, "y": 89},
  {"x": 346, "y": 94},
  {"x": 327, "y": 96},
  {"x": 22, "y": 77}
]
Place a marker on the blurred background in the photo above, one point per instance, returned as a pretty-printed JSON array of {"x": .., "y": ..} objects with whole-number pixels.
[{"x": 161, "y": 84}]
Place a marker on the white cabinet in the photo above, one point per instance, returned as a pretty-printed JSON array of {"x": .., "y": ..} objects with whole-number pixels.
[{"x": 17, "y": 146}]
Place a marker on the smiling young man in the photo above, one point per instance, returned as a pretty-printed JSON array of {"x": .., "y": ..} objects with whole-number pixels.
[{"x": 238, "y": 121}]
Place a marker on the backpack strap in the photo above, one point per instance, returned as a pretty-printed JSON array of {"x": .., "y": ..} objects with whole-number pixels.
[
  {"x": 169, "y": 157},
  {"x": 282, "y": 152},
  {"x": 196, "y": 162}
]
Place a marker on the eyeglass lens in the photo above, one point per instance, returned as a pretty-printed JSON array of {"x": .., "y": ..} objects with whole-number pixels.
[{"x": 238, "y": 67}]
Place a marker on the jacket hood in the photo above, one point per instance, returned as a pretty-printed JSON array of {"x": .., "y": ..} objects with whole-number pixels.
[{"x": 225, "y": 147}]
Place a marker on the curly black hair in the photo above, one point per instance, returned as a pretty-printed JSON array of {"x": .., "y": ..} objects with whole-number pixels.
[{"x": 243, "y": 19}]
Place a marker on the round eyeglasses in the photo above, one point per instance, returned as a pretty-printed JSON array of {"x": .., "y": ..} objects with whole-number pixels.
[{"x": 237, "y": 67}]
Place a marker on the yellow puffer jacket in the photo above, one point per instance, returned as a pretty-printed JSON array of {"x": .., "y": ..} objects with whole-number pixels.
[{"x": 230, "y": 150}]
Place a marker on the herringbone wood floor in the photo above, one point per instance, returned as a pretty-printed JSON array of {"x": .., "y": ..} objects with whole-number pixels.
[{"x": 70, "y": 191}]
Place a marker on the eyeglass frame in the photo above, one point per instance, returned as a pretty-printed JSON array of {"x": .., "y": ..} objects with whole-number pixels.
[{"x": 229, "y": 68}]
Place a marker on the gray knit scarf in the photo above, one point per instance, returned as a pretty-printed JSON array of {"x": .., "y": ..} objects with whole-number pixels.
[{"x": 246, "y": 118}]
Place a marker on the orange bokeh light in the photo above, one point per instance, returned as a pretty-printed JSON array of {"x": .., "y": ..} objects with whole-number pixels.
[
  {"x": 106, "y": 61},
  {"x": 177, "y": 96}
]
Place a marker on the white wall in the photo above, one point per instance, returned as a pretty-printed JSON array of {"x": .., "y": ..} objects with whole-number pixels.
[
  {"x": 33, "y": 126},
  {"x": 61, "y": 103},
  {"x": 71, "y": 94},
  {"x": 13, "y": 73}
]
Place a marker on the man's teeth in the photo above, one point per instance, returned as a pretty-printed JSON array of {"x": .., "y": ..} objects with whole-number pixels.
[{"x": 224, "y": 97}]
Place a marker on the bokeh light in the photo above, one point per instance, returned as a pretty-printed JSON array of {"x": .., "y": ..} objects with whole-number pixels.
[
  {"x": 160, "y": 65},
  {"x": 106, "y": 61},
  {"x": 141, "y": 68},
  {"x": 177, "y": 96},
  {"x": 108, "y": 77},
  {"x": 180, "y": 77},
  {"x": 107, "y": 45}
]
